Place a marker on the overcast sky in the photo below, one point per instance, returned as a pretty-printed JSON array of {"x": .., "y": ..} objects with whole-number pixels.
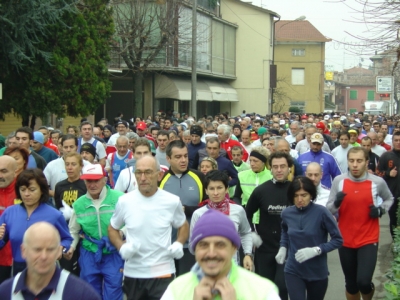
[{"x": 329, "y": 17}]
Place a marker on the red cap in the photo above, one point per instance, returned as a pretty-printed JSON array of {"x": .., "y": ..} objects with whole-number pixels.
[
  {"x": 304, "y": 117},
  {"x": 141, "y": 126},
  {"x": 320, "y": 125}
]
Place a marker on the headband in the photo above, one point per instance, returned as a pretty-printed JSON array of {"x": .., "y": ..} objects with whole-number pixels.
[{"x": 259, "y": 156}]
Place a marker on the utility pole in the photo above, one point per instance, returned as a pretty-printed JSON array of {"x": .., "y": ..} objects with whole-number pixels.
[{"x": 194, "y": 61}]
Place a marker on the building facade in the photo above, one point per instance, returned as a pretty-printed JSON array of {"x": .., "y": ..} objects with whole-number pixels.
[
  {"x": 234, "y": 55},
  {"x": 353, "y": 87},
  {"x": 300, "y": 60}
]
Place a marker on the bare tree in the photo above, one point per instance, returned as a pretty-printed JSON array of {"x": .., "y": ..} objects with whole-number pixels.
[
  {"x": 281, "y": 98},
  {"x": 382, "y": 23},
  {"x": 143, "y": 31},
  {"x": 382, "y": 35}
]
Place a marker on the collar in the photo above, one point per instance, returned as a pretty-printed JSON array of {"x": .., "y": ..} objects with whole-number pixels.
[
  {"x": 238, "y": 165},
  {"x": 196, "y": 145},
  {"x": 9, "y": 189},
  {"x": 265, "y": 168},
  {"x": 200, "y": 274},
  {"x": 315, "y": 153},
  {"x": 306, "y": 207},
  {"x": 362, "y": 178},
  {"x": 102, "y": 195},
  {"x": 172, "y": 173},
  {"x": 274, "y": 181},
  {"x": 52, "y": 286},
  {"x": 321, "y": 187}
]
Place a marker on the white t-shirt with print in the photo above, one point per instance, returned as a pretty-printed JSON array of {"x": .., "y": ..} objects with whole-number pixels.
[{"x": 149, "y": 221}]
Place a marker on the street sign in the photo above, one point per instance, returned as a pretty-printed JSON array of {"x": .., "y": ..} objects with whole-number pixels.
[{"x": 384, "y": 84}]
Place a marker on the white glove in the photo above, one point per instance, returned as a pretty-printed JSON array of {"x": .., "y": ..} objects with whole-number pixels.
[
  {"x": 66, "y": 210},
  {"x": 128, "y": 250},
  {"x": 306, "y": 253},
  {"x": 281, "y": 256},
  {"x": 257, "y": 241},
  {"x": 176, "y": 250}
]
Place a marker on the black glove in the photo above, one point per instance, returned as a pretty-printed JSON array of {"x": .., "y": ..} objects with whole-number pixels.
[
  {"x": 339, "y": 199},
  {"x": 376, "y": 212}
]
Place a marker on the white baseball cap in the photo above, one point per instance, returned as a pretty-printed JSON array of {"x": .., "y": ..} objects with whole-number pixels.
[{"x": 92, "y": 171}]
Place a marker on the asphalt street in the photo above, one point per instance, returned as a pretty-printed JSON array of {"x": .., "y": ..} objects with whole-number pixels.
[{"x": 336, "y": 287}]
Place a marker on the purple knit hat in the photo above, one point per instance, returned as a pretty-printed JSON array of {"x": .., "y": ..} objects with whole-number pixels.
[{"x": 213, "y": 223}]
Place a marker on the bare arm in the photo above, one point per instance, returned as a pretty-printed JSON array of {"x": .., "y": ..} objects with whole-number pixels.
[
  {"x": 115, "y": 237},
  {"x": 183, "y": 233},
  {"x": 102, "y": 162}
]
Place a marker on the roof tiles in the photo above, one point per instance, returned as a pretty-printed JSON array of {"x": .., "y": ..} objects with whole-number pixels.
[{"x": 298, "y": 31}]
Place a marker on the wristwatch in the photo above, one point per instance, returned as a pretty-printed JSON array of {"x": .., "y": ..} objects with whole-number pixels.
[{"x": 250, "y": 254}]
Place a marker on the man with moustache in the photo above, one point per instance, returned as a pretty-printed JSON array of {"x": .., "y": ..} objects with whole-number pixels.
[
  {"x": 214, "y": 241},
  {"x": 148, "y": 214}
]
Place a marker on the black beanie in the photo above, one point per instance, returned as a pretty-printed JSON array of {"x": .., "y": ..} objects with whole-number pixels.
[
  {"x": 88, "y": 147},
  {"x": 236, "y": 126},
  {"x": 197, "y": 130}
]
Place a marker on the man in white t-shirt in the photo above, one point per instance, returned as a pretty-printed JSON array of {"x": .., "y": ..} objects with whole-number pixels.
[
  {"x": 378, "y": 150},
  {"x": 314, "y": 172},
  {"x": 87, "y": 137},
  {"x": 246, "y": 140},
  {"x": 148, "y": 214},
  {"x": 126, "y": 181},
  {"x": 294, "y": 131},
  {"x": 340, "y": 152},
  {"x": 122, "y": 128},
  {"x": 55, "y": 170}
]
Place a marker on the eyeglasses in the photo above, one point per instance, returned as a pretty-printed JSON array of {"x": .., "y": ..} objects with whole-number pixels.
[{"x": 146, "y": 173}]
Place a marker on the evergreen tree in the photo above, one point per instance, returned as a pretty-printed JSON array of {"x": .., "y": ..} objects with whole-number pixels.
[{"x": 75, "y": 82}]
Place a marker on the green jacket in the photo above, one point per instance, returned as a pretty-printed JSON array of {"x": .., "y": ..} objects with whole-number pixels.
[
  {"x": 249, "y": 180},
  {"x": 95, "y": 223},
  {"x": 243, "y": 167},
  {"x": 248, "y": 286}
]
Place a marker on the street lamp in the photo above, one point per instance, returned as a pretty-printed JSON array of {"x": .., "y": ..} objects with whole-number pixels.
[{"x": 347, "y": 88}]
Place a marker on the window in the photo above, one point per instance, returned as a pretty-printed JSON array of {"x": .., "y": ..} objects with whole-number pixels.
[
  {"x": 353, "y": 94},
  {"x": 371, "y": 96},
  {"x": 298, "y": 52},
  {"x": 298, "y": 76},
  {"x": 299, "y": 104},
  {"x": 353, "y": 110}
]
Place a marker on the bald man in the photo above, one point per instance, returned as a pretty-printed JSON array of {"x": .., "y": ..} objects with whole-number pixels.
[
  {"x": 378, "y": 150},
  {"x": 42, "y": 278},
  {"x": 314, "y": 172},
  {"x": 148, "y": 250},
  {"x": 8, "y": 165}
]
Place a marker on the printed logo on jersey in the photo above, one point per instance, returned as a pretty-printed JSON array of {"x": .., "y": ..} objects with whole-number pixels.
[
  {"x": 70, "y": 196},
  {"x": 275, "y": 209}
]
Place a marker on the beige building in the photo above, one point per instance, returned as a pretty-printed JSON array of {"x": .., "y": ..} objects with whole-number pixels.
[
  {"x": 300, "y": 60},
  {"x": 235, "y": 52},
  {"x": 254, "y": 54}
]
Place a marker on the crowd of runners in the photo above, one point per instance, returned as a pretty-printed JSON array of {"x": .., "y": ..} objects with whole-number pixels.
[{"x": 173, "y": 207}]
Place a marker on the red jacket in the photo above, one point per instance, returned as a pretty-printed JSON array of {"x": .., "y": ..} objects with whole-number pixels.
[
  {"x": 7, "y": 197},
  {"x": 386, "y": 146},
  {"x": 51, "y": 146},
  {"x": 227, "y": 145}
]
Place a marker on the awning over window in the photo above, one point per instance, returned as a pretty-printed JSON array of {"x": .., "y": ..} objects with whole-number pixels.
[
  {"x": 179, "y": 88},
  {"x": 222, "y": 91}
]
